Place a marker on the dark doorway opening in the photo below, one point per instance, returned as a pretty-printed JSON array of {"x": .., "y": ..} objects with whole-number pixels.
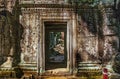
[{"x": 55, "y": 45}]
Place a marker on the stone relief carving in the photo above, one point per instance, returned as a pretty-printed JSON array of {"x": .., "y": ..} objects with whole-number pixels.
[
  {"x": 30, "y": 22},
  {"x": 50, "y": 12},
  {"x": 29, "y": 42}
]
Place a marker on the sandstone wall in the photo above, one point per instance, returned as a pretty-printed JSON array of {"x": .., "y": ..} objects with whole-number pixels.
[{"x": 97, "y": 35}]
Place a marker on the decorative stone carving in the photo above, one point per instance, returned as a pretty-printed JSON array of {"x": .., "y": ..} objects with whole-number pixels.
[
  {"x": 30, "y": 22},
  {"x": 29, "y": 43}
]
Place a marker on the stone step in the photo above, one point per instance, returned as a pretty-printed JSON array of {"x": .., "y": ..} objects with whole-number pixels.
[
  {"x": 89, "y": 66},
  {"x": 7, "y": 73},
  {"x": 89, "y": 69}
]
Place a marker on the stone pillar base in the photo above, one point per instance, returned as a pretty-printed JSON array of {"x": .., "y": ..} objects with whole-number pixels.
[
  {"x": 89, "y": 69},
  {"x": 7, "y": 73}
]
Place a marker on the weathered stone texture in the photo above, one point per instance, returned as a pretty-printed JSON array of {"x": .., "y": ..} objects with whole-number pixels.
[
  {"x": 42, "y": 1},
  {"x": 111, "y": 45},
  {"x": 22, "y": 35},
  {"x": 109, "y": 22},
  {"x": 10, "y": 36},
  {"x": 97, "y": 35},
  {"x": 29, "y": 43},
  {"x": 88, "y": 49},
  {"x": 30, "y": 20}
]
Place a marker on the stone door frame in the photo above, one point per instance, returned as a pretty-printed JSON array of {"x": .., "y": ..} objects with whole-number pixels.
[{"x": 70, "y": 48}]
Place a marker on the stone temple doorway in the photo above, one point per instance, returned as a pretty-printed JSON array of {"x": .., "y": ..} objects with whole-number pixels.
[{"x": 55, "y": 46}]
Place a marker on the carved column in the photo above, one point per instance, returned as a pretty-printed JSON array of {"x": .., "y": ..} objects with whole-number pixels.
[
  {"x": 29, "y": 44},
  {"x": 74, "y": 37}
]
